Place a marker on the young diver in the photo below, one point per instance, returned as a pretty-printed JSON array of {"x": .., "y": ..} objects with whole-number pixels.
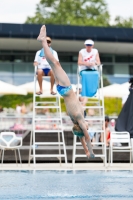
[{"x": 73, "y": 106}]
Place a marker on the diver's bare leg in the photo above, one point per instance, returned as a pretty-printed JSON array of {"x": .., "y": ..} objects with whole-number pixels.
[{"x": 59, "y": 73}]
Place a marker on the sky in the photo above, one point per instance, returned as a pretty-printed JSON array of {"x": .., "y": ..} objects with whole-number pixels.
[{"x": 16, "y": 11}]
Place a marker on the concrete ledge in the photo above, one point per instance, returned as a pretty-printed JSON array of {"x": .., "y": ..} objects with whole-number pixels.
[{"x": 77, "y": 166}]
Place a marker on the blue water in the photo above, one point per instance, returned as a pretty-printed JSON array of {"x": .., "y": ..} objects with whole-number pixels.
[{"x": 66, "y": 185}]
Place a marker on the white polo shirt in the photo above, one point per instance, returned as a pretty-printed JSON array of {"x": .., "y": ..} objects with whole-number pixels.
[
  {"x": 42, "y": 60},
  {"x": 88, "y": 57}
]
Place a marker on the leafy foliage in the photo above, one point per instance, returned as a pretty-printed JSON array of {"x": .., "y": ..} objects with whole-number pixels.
[
  {"x": 76, "y": 12},
  {"x": 121, "y": 22},
  {"x": 10, "y": 101},
  {"x": 112, "y": 105},
  {"x": 72, "y": 12}
]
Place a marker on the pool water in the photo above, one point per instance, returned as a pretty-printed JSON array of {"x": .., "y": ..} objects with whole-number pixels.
[{"x": 66, "y": 185}]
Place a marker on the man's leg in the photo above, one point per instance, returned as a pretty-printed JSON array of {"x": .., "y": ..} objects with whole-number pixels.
[
  {"x": 59, "y": 73},
  {"x": 52, "y": 80},
  {"x": 40, "y": 74}
]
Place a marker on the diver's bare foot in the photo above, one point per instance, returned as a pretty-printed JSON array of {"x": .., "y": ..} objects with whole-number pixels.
[{"x": 42, "y": 34}]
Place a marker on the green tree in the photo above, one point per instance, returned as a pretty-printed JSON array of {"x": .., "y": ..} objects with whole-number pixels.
[
  {"x": 72, "y": 12},
  {"x": 121, "y": 22}
]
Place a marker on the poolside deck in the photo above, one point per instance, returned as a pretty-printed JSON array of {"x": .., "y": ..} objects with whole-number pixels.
[{"x": 77, "y": 166}]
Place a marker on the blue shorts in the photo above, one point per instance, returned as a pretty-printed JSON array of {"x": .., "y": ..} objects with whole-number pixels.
[
  {"x": 63, "y": 90},
  {"x": 46, "y": 71}
]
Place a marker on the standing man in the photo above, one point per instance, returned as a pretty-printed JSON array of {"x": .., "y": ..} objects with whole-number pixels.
[
  {"x": 44, "y": 69},
  {"x": 88, "y": 57}
]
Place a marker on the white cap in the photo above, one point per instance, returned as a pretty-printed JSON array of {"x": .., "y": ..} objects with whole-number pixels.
[{"x": 91, "y": 42}]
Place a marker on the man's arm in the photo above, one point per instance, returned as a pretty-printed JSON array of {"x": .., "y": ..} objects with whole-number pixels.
[
  {"x": 36, "y": 59},
  {"x": 97, "y": 59},
  {"x": 35, "y": 63},
  {"x": 82, "y": 140},
  {"x": 81, "y": 62},
  {"x": 83, "y": 100},
  {"x": 84, "y": 126}
]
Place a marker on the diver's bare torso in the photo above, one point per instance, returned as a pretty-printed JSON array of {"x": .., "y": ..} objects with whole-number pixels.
[{"x": 73, "y": 106}]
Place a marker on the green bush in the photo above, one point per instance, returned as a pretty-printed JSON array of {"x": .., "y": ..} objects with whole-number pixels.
[
  {"x": 10, "y": 101},
  {"x": 112, "y": 105}
]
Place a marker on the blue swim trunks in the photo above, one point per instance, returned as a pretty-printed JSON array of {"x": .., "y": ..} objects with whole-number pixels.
[
  {"x": 46, "y": 71},
  {"x": 79, "y": 134},
  {"x": 76, "y": 130},
  {"x": 63, "y": 90}
]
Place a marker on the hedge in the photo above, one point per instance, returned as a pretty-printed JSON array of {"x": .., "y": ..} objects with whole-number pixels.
[{"x": 112, "y": 105}]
